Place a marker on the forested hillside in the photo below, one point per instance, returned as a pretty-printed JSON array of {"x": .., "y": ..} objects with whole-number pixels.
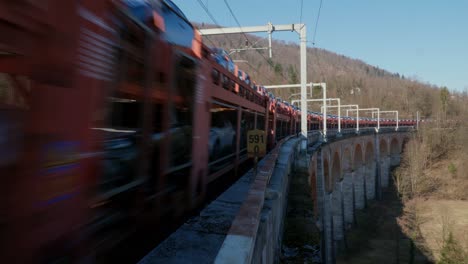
[{"x": 350, "y": 79}]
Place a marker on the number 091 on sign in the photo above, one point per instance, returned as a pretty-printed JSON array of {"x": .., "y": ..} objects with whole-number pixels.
[{"x": 256, "y": 143}]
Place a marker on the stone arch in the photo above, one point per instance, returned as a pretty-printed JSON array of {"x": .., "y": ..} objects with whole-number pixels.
[
  {"x": 394, "y": 152},
  {"x": 336, "y": 168},
  {"x": 369, "y": 153},
  {"x": 369, "y": 179},
  {"x": 406, "y": 139},
  {"x": 383, "y": 148},
  {"x": 394, "y": 147},
  {"x": 357, "y": 161},
  {"x": 403, "y": 143},
  {"x": 347, "y": 162}
]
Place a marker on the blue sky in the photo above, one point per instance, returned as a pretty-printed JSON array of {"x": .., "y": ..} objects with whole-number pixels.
[{"x": 423, "y": 39}]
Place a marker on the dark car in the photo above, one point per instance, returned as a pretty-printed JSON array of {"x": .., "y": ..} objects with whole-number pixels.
[
  {"x": 177, "y": 28},
  {"x": 223, "y": 59},
  {"x": 245, "y": 77}
]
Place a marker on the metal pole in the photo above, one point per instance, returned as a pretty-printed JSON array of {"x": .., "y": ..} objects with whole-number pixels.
[
  {"x": 303, "y": 96},
  {"x": 324, "y": 87},
  {"x": 299, "y": 28},
  {"x": 370, "y": 109},
  {"x": 324, "y": 106},
  {"x": 378, "y": 120},
  {"x": 311, "y": 89},
  {"x": 397, "y": 120},
  {"x": 322, "y": 109},
  {"x": 347, "y": 111},
  {"x": 318, "y": 100},
  {"x": 270, "y": 30},
  {"x": 357, "y": 120},
  {"x": 417, "y": 120},
  {"x": 254, "y": 29},
  {"x": 339, "y": 116},
  {"x": 395, "y": 112},
  {"x": 284, "y": 86},
  {"x": 231, "y": 51},
  {"x": 303, "y": 54}
]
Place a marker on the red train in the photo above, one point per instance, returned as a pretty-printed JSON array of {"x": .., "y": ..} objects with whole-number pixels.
[{"x": 114, "y": 116}]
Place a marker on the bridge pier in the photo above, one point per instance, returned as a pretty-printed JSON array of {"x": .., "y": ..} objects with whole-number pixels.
[
  {"x": 370, "y": 181},
  {"x": 324, "y": 201},
  {"x": 395, "y": 159},
  {"x": 348, "y": 199},
  {"x": 348, "y": 175},
  {"x": 385, "y": 169},
  {"x": 359, "y": 185},
  {"x": 338, "y": 217}
]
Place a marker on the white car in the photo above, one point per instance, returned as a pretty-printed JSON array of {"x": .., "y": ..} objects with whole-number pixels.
[{"x": 222, "y": 138}]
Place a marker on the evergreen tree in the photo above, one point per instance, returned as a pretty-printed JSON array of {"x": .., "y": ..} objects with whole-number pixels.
[
  {"x": 452, "y": 252},
  {"x": 292, "y": 74},
  {"x": 444, "y": 96},
  {"x": 278, "y": 68}
]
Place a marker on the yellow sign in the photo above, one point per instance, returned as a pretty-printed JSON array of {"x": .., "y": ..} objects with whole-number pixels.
[{"x": 256, "y": 143}]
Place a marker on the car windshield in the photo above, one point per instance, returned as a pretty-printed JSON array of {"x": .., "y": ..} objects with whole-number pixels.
[
  {"x": 178, "y": 30},
  {"x": 176, "y": 9}
]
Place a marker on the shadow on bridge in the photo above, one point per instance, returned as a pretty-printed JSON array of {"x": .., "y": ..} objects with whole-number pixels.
[
  {"x": 350, "y": 177},
  {"x": 377, "y": 236}
]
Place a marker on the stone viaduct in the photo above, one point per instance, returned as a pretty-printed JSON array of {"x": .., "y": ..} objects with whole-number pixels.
[{"x": 344, "y": 175}]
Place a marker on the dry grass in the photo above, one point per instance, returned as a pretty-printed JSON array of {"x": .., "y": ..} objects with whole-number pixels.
[
  {"x": 450, "y": 186},
  {"x": 433, "y": 181},
  {"x": 434, "y": 164},
  {"x": 441, "y": 218}
]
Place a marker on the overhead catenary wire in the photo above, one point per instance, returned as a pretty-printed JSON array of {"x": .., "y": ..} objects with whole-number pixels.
[
  {"x": 211, "y": 17},
  {"x": 212, "y": 43},
  {"x": 216, "y": 22},
  {"x": 315, "y": 52},
  {"x": 235, "y": 18},
  {"x": 207, "y": 12},
  {"x": 316, "y": 22},
  {"x": 269, "y": 62},
  {"x": 256, "y": 71}
]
